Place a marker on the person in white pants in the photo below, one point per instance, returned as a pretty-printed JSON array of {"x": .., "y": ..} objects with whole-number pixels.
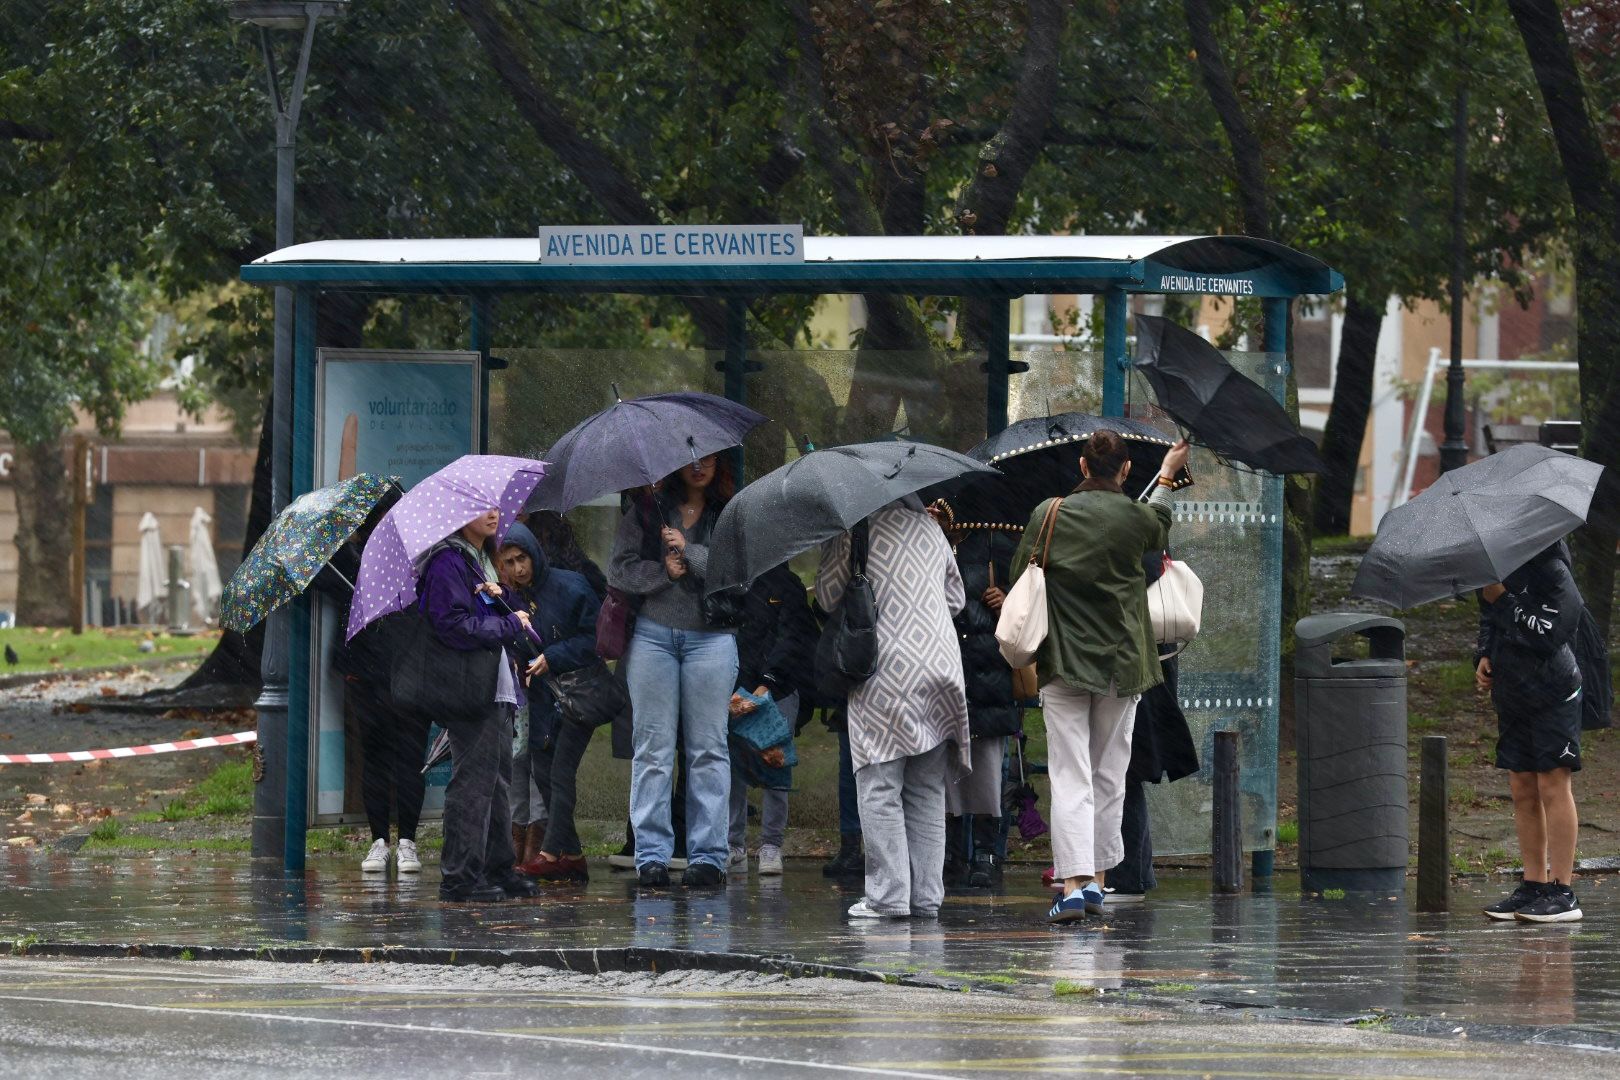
[{"x": 1099, "y": 655}]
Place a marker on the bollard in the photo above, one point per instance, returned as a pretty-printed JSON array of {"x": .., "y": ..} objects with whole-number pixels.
[
  {"x": 178, "y": 608},
  {"x": 1434, "y": 829},
  {"x": 1226, "y": 825}
]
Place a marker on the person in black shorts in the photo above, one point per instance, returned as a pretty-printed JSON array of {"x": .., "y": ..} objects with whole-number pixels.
[{"x": 1525, "y": 659}]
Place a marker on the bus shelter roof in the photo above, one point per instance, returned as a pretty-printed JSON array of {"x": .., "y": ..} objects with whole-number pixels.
[{"x": 1005, "y": 266}]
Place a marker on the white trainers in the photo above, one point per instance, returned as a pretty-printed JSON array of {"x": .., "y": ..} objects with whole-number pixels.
[
  {"x": 860, "y": 909},
  {"x": 770, "y": 861},
  {"x": 376, "y": 860},
  {"x": 739, "y": 857},
  {"x": 409, "y": 862}
]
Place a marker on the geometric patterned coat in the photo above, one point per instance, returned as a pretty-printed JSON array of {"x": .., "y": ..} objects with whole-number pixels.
[{"x": 914, "y": 700}]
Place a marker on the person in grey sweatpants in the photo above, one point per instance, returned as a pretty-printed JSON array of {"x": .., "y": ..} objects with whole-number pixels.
[{"x": 903, "y": 821}]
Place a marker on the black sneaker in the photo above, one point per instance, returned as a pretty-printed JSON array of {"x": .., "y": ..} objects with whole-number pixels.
[
  {"x": 986, "y": 869},
  {"x": 517, "y": 886},
  {"x": 849, "y": 862},
  {"x": 1522, "y": 897},
  {"x": 1556, "y": 903},
  {"x": 482, "y": 893},
  {"x": 653, "y": 876},
  {"x": 702, "y": 876}
]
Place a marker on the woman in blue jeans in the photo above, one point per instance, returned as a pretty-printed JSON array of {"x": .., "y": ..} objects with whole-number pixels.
[{"x": 682, "y": 672}]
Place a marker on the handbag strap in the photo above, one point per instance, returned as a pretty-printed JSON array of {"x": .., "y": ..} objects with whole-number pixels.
[
  {"x": 858, "y": 537},
  {"x": 1043, "y": 539}
]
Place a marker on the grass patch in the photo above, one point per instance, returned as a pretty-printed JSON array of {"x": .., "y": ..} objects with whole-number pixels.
[
  {"x": 42, "y": 650},
  {"x": 106, "y": 832},
  {"x": 130, "y": 842},
  {"x": 966, "y": 976},
  {"x": 187, "y": 954},
  {"x": 21, "y": 945},
  {"x": 1463, "y": 795},
  {"x": 1173, "y": 988},
  {"x": 1454, "y": 678},
  {"x": 1067, "y": 988},
  {"x": 1288, "y": 832},
  {"x": 1333, "y": 894},
  {"x": 1340, "y": 545},
  {"x": 225, "y": 792}
]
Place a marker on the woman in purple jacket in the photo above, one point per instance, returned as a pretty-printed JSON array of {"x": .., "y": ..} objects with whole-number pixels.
[{"x": 456, "y": 594}]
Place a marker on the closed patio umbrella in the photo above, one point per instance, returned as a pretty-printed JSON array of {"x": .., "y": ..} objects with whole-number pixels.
[
  {"x": 150, "y": 578},
  {"x": 206, "y": 586}
]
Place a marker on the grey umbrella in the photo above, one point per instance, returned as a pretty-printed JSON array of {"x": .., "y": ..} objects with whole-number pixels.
[
  {"x": 1476, "y": 525},
  {"x": 818, "y": 496},
  {"x": 638, "y": 442}
]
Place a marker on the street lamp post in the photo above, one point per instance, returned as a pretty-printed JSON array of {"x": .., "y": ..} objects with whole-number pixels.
[
  {"x": 1454, "y": 450},
  {"x": 269, "y": 792}
]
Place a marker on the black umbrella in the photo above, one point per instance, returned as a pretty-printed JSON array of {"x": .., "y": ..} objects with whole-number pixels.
[
  {"x": 1230, "y": 414},
  {"x": 816, "y": 497},
  {"x": 638, "y": 442},
  {"x": 1476, "y": 525},
  {"x": 1040, "y": 458}
]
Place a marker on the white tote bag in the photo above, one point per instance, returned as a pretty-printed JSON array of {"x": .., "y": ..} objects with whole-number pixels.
[
  {"x": 1176, "y": 604},
  {"x": 1022, "y": 625}
]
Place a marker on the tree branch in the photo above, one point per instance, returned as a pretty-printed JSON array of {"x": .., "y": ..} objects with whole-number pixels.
[
  {"x": 987, "y": 203},
  {"x": 14, "y": 131},
  {"x": 1248, "y": 157}
]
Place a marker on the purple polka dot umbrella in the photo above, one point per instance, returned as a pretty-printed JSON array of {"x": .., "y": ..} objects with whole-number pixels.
[{"x": 434, "y": 509}]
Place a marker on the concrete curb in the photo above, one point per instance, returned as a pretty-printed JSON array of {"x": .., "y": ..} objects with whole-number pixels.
[{"x": 580, "y": 961}]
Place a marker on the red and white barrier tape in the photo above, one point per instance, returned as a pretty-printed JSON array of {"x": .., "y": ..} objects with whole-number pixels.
[{"x": 131, "y": 751}]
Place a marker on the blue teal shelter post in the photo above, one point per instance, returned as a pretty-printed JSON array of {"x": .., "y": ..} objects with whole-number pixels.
[
  {"x": 298, "y": 674},
  {"x": 481, "y": 326},
  {"x": 1116, "y": 361},
  {"x": 1275, "y": 328}
]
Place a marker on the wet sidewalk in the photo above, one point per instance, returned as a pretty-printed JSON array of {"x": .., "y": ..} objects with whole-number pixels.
[{"x": 1366, "y": 958}]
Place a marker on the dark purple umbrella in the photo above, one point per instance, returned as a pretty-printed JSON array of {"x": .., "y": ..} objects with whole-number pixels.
[
  {"x": 434, "y": 509},
  {"x": 638, "y": 442}
]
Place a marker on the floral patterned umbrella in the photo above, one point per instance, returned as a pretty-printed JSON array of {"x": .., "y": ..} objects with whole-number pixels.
[{"x": 297, "y": 544}]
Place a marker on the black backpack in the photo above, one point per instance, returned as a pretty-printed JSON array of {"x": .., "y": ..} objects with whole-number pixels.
[{"x": 1597, "y": 684}]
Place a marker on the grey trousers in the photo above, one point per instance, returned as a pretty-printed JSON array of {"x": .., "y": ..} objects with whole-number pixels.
[
  {"x": 477, "y": 815},
  {"x": 903, "y": 822}
]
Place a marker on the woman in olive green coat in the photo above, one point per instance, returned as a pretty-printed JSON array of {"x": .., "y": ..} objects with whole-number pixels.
[{"x": 1098, "y": 658}]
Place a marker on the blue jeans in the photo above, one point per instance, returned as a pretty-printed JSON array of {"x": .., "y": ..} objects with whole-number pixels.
[{"x": 681, "y": 679}]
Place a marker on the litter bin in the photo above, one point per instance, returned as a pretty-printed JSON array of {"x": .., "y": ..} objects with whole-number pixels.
[{"x": 1350, "y": 728}]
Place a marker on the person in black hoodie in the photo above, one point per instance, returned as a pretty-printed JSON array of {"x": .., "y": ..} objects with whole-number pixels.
[
  {"x": 562, "y": 608},
  {"x": 1524, "y": 657},
  {"x": 775, "y": 653},
  {"x": 984, "y": 556}
]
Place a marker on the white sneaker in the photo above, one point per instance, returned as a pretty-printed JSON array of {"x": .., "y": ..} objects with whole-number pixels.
[
  {"x": 408, "y": 861},
  {"x": 739, "y": 857},
  {"x": 860, "y": 909},
  {"x": 770, "y": 861},
  {"x": 376, "y": 860}
]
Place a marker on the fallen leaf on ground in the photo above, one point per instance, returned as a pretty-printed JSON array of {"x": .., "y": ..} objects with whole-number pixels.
[
  {"x": 22, "y": 841},
  {"x": 109, "y": 691},
  {"x": 192, "y": 733},
  {"x": 35, "y": 799},
  {"x": 80, "y": 707},
  {"x": 63, "y": 809}
]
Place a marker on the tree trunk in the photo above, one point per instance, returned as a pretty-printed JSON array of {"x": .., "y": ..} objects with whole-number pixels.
[
  {"x": 44, "y": 536},
  {"x": 340, "y": 323},
  {"x": 1594, "y": 190},
  {"x": 1347, "y": 419}
]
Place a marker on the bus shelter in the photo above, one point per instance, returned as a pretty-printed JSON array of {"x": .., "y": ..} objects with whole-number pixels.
[{"x": 512, "y": 396}]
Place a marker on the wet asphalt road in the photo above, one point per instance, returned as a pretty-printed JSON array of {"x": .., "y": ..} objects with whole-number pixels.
[{"x": 175, "y": 1020}]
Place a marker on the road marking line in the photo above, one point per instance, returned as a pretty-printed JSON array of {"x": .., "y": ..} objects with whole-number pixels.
[{"x": 596, "y": 1044}]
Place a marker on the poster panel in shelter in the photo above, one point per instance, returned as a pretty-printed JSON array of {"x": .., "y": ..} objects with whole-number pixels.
[{"x": 397, "y": 413}]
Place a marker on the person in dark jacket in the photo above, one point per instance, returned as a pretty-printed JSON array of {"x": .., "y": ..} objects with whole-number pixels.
[
  {"x": 1524, "y": 657},
  {"x": 1162, "y": 749},
  {"x": 561, "y": 546},
  {"x": 984, "y": 556},
  {"x": 562, "y": 609},
  {"x": 776, "y": 647},
  {"x": 457, "y": 595}
]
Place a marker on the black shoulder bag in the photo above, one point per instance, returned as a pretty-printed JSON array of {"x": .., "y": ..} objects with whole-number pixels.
[
  {"x": 846, "y": 655},
  {"x": 443, "y": 684}
]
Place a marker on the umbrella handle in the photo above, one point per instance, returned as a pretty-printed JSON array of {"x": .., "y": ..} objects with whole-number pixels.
[{"x": 538, "y": 640}]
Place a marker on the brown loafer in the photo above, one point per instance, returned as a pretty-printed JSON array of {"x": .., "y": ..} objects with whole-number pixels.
[{"x": 548, "y": 867}]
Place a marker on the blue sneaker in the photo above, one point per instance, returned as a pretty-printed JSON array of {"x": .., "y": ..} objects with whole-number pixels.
[
  {"x": 1068, "y": 909},
  {"x": 1093, "y": 895}
]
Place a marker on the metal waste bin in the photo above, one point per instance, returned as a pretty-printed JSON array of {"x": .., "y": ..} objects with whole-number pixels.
[{"x": 1350, "y": 729}]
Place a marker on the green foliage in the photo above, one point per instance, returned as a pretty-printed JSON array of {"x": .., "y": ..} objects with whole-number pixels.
[
  {"x": 106, "y": 832},
  {"x": 225, "y": 792},
  {"x": 1069, "y": 988},
  {"x": 1288, "y": 832}
]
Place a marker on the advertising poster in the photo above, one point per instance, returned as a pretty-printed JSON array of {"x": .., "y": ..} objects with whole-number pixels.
[{"x": 404, "y": 414}]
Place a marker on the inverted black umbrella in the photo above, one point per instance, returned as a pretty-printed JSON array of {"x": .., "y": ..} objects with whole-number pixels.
[
  {"x": 1040, "y": 457},
  {"x": 1230, "y": 414},
  {"x": 1476, "y": 525},
  {"x": 638, "y": 442},
  {"x": 816, "y": 497}
]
